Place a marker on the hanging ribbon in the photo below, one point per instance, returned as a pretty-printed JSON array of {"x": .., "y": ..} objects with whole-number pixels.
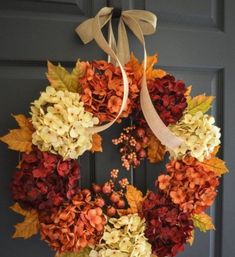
[{"x": 141, "y": 23}]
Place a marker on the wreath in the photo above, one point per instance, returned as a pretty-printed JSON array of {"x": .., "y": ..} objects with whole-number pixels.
[{"x": 115, "y": 218}]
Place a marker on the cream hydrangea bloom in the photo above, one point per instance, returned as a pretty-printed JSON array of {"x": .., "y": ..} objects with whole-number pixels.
[
  {"x": 61, "y": 123},
  {"x": 199, "y": 134},
  {"x": 123, "y": 237}
]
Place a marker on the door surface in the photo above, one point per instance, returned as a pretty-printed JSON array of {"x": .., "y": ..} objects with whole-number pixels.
[{"x": 195, "y": 41}]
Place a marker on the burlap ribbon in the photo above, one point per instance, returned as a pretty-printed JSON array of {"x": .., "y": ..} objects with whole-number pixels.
[{"x": 141, "y": 23}]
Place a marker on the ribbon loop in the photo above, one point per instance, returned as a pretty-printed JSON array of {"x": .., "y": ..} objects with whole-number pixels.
[{"x": 140, "y": 23}]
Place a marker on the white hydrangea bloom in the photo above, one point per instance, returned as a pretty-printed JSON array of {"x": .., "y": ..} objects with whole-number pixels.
[
  {"x": 123, "y": 237},
  {"x": 199, "y": 134},
  {"x": 62, "y": 124}
]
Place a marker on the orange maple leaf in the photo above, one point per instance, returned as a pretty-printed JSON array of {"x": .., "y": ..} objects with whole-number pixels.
[
  {"x": 215, "y": 151},
  {"x": 17, "y": 208},
  {"x": 134, "y": 198},
  {"x": 151, "y": 73},
  {"x": 20, "y": 139},
  {"x": 155, "y": 150},
  {"x": 136, "y": 67},
  {"x": 23, "y": 122},
  {"x": 29, "y": 226},
  {"x": 215, "y": 164},
  {"x": 96, "y": 143}
]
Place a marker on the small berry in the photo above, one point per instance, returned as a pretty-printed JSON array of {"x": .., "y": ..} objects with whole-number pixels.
[
  {"x": 145, "y": 140},
  {"x": 121, "y": 204},
  {"x": 111, "y": 211},
  {"x": 107, "y": 189},
  {"x": 99, "y": 202},
  {"x": 96, "y": 188},
  {"x": 140, "y": 132},
  {"x": 138, "y": 147},
  {"x": 114, "y": 197},
  {"x": 142, "y": 153},
  {"x": 86, "y": 192}
]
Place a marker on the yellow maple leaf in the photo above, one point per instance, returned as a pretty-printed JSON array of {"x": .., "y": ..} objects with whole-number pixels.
[
  {"x": 61, "y": 79},
  {"x": 82, "y": 253},
  {"x": 134, "y": 198},
  {"x": 199, "y": 103},
  {"x": 96, "y": 143},
  {"x": 191, "y": 238},
  {"x": 188, "y": 92},
  {"x": 215, "y": 164},
  {"x": 155, "y": 150},
  {"x": 20, "y": 139},
  {"x": 158, "y": 73},
  {"x": 77, "y": 73},
  {"x": 29, "y": 226},
  {"x": 203, "y": 222}
]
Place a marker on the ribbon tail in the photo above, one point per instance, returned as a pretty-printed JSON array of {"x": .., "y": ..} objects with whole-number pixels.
[
  {"x": 112, "y": 43},
  {"x": 123, "y": 50},
  {"x": 160, "y": 130}
]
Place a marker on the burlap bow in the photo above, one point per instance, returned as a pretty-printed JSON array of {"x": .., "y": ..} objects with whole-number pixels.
[{"x": 141, "y": 23}]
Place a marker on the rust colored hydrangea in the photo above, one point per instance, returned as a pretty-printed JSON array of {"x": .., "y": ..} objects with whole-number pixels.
[
  {"x": 167, "y": 227},
  {"x": 189, "y": 184},
  {"x": 168, "y": 97},
  {"x": 74, "y": 227},
  {"x": 44, "y": 180},
  {"x": 102, "y": 90}
]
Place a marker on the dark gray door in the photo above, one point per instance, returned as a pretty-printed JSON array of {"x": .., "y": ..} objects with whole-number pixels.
[{"x": 195, "y": 41}]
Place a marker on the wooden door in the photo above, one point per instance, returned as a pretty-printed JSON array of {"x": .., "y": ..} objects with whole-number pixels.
[{"x": 195, "y": 41}]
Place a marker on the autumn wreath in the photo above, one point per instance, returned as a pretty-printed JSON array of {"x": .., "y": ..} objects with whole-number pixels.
[{"x": 114, "y": 218}]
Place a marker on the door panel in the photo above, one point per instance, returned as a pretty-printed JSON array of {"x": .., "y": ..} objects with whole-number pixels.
[
  {"x": 195, "y": 41},
  {"x": 206, "y": 14}
]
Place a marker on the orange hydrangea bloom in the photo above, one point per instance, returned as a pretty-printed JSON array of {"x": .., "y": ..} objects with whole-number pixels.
[
  {"x": 164, "y": 181},
  {"x": 74, "y": 226},
  {"x": 189, "y": 184},
  {"x": 114, "y": 104},
  {"x": 102, "y": 90},
  {"x": 102, "y": 87}
]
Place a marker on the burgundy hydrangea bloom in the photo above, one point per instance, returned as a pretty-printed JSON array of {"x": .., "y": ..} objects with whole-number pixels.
[
  {"x": 168, "y": 97},
  {"x": 44, "y": 180},
  {"x": 167, "y": 227}
]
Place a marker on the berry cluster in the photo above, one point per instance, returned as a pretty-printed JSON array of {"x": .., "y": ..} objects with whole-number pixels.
[
  {"x": 106, "y": 195},
  {"x": 132, "y": 142}
]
